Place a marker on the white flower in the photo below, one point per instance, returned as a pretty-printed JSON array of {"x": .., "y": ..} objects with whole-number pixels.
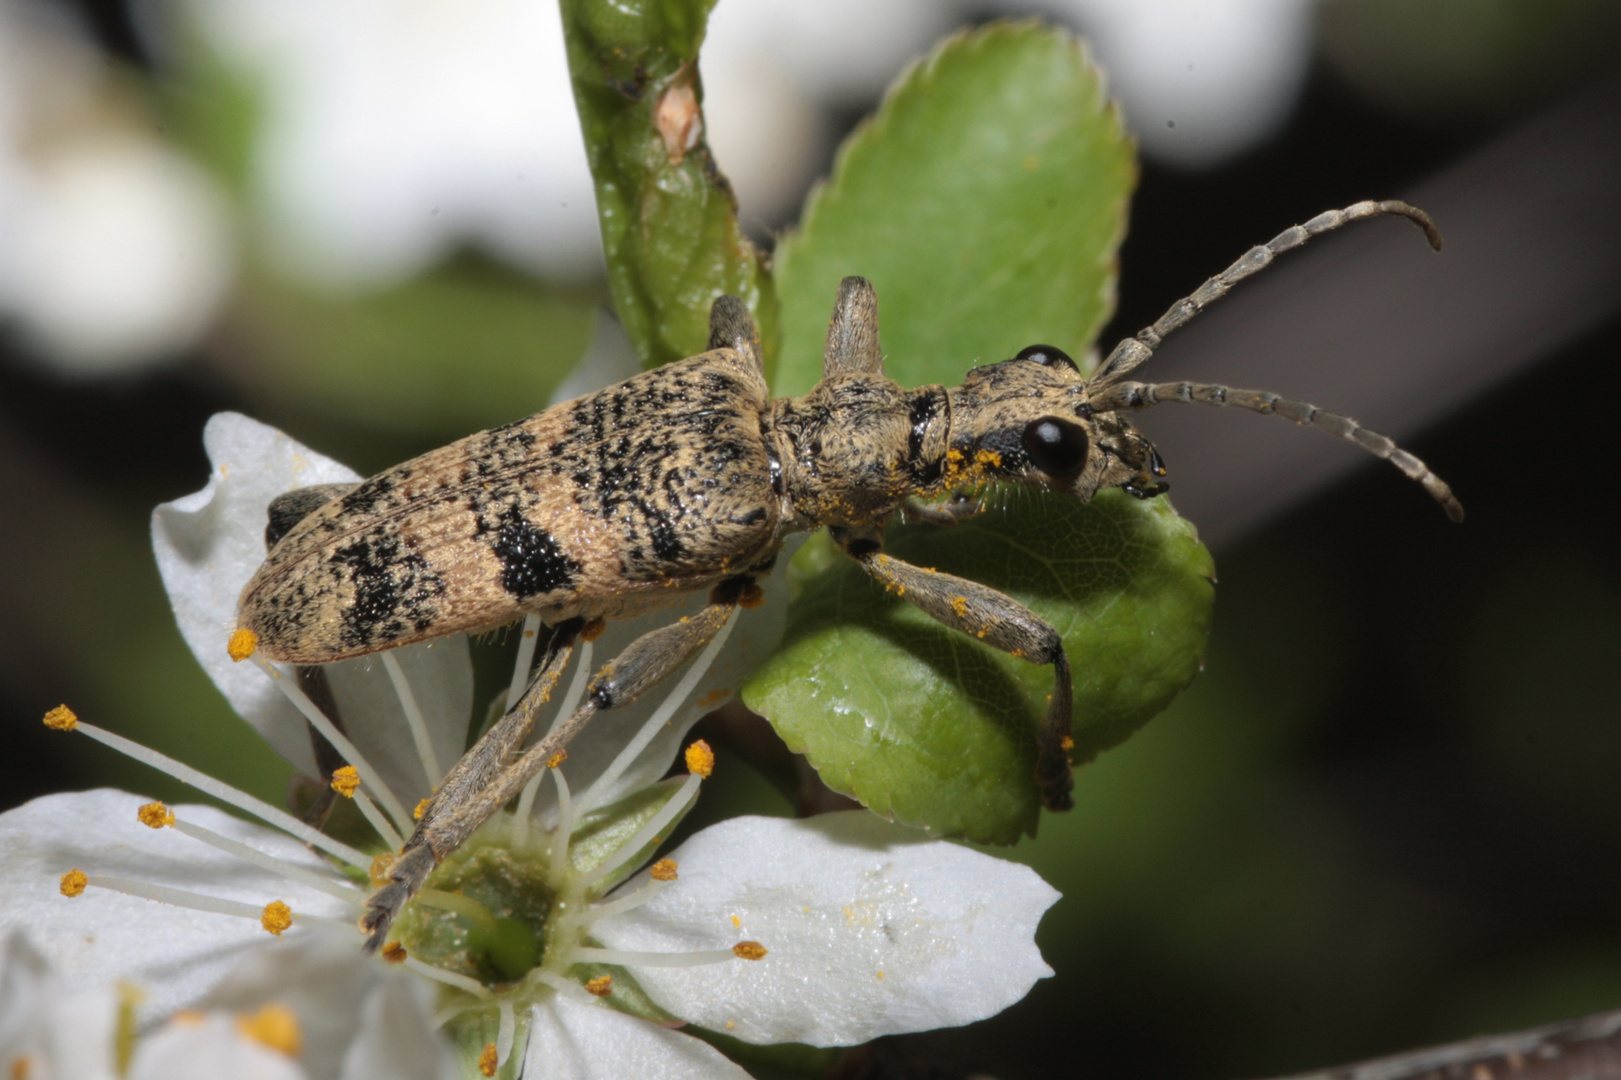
[{"x": 829, "y": 931}]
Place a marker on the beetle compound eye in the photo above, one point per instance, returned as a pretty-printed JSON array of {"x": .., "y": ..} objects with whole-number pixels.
[
  {"x": 1056, "y": 447},
  {"x": 1047, "y": 356}
]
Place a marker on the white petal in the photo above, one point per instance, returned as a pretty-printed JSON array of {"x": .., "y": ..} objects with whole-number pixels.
[
  {"x": 59, "y": 1033},
  {"x": 872, "y": 929},
  {"x": 173, "y": 954},
  {"x": 210, "y": 543},
  {"x": 573, "y": 1041},
  {"x": 208, "y": 1048},
  {"x": 396, "y": 1039}
]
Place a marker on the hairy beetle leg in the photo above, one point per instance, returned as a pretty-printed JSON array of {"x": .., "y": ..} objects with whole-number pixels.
[
  {"x": 996, "y": 619},
  {"x": 482, "y": 782}
]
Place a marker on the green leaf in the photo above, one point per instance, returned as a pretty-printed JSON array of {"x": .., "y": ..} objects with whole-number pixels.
[
  {"x": 985, "y": 202},
  {"x": 669, "y": 218},
  {"x": 935, "y": 729}
]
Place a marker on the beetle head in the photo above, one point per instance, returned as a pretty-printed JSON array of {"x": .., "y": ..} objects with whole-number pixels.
[{"x": 1029, "y": 420}]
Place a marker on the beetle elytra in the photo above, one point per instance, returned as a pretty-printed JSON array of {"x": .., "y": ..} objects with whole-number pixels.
[{"x": 689, "y": 477}]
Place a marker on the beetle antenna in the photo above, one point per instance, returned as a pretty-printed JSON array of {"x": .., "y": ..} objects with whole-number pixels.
[
  {"x": 1136, "y": 395},
  {"x": 1132, "y": 352}
]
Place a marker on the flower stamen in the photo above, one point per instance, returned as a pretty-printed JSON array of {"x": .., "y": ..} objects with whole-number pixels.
[
  {"x": 650, "y": 830},
  {"x": 413, "y": 719},
  {"x": 338, "y": 739},
  {"x": 629, "y": 902},
  {"x": 601, "y": 986},
  {"x": 624, "y": 958},
  {"x": 488, "y": 1060},
  {"x": 526, "y": 659},
  {"x": 224, "y": 792},
  {"x": 276, "y": 917},
  {"x": 449, "y": 978},
  {"x": 330, "y": 885},
  {"x": 505, "y": 1032},
  {"x": 275, "y": 1026}
]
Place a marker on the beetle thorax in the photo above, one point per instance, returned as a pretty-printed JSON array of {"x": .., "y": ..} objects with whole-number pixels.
[{"x": 854, "y": 448}]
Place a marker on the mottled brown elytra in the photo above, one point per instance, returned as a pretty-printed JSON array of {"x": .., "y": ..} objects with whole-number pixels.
[{"x": 689, "y": 477}]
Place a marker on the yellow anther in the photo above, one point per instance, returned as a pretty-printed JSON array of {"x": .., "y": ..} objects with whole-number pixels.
[
  {"x": 488, "y": 1060},
  {"x": 749, "y": 950},
  {"x": 663, "y": 870},
  {"x": 380, "y": 866},
  {"x": 1066, "y": 744},
  {"x": 61, "y": 718},
  {"x": 243, "y": 644},
  {"x": 421, "y": 808},
  {"x": 277, "y": 917},
  {"x": 154, "y": 815},
  {"x": 394, "y": 953},
  {"x": 593, "y": 629},
  {"x": 73, "y": 882},
  {"x": 275, "y": 1026},
  {"x": 22, "y": 1068},
  {"x": 700, "y": 759},
  {"x": 601, "y": 986},
  {"x": 557, "y": 759},
  {"x": 346, "y": 781}
]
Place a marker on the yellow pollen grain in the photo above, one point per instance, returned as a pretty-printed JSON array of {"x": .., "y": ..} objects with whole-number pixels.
[
  {"x": 749, "y": 950},
  {"x": 154, "y": 815},
  {"x": 700, "y": 759},
  {"x": 736, "y": 922},
  {"x": 557, "y": 759},
  {"x": 346, "y": 781},
  {"x": 593, "y": 629},
  {"x": 1066, "y": 744},
  {"x": 488, "y": 1060},
  {"x": 715, "y": 696},
  {"x": 394, "y": 953},
  {"x": 663, "y": 870},
  {"x": 275, "y": 1026},
  {"x": 959, "y": 604},
  {"x": 731, "y": 1023},
  {"x": 988, "y": 457},
  {"x": 601, "y": 986},
  {"x": 61, "y": 718},
  {"x": 243, "y": 644},
  {"x": 73, "y": 882},
  {"x": 421, "y": 808},
  {"x": 277, "y": 918},
  {"x": 379, "y": 869},
  {"x": 880, "y": 974}
]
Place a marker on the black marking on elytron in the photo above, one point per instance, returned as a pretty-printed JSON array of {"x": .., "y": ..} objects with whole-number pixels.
[
  {"x": 395, "y": 590},
  {"x": 366, "y": 498},
  {"x": 532, "y": 563}
]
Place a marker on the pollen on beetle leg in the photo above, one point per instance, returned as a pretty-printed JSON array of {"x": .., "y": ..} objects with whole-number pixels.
[
  {"x": 420, "y": 808},
  {"x": 959, "y": 605},
  {"x": 749, "y": 950},
  {"x": 277, "y": 918},
  {"x": 700, "y": 759},
  {"x": 663, "y": 870},
  {"x": 1066, "y": 744},
  {"x": 346, "y": 781},
  {"x": 601, "y": 986},
  {"x": 154, "y": 815},
  {"x": 61, "y": 718},
  {"x": 243, "y": 644},
  {"x": 74, "y": 882},
  {"x": 557, "y": 759}
]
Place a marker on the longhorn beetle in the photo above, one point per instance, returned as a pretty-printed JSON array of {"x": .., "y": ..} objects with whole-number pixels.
[{"x": 689, "y": 477}]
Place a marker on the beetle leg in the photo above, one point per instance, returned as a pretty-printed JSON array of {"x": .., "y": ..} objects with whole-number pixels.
[
  {"x": 852, "y": 334},
  {"x": 960, "y": 507},
  {"x": 999, "y": 621},
  {"x": 489, "y": 783}
]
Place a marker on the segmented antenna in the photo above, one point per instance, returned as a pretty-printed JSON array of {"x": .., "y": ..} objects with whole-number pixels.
[
  {"x": 1132, "y": 352},
  {"x": 1109, "y": 392},
  {"x": 1136, "y": 395}
]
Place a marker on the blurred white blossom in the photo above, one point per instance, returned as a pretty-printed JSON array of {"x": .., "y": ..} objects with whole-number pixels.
[{"x": 115, "y": 250}]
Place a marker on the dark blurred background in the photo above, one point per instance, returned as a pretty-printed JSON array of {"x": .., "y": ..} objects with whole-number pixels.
[{"x": 1386, "y": 815}]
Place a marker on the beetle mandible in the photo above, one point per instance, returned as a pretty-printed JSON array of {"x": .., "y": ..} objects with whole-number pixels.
[{"x": 689, "y": 477}]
